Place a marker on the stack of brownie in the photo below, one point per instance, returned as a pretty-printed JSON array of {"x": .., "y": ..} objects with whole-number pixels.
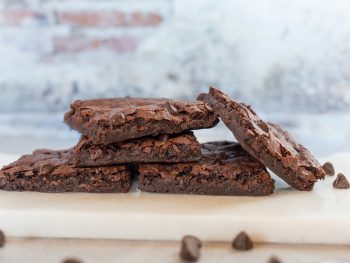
[{"x": 152, "y": 139}]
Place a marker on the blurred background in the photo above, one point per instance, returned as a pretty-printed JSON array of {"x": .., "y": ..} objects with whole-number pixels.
[{"x": 289, "y": 59}]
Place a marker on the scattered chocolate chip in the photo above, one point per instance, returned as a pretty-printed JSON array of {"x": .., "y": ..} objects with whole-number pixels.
[
  {"x": 329, "y": 168},
  {"x": 171, "y": 108},
  {"x": 2, "y": 239},
  {"x": 242, "y": 242},
  {"x": 190, "y": 248},
  {"x": 341, "y": 182},
  {"x": 116, "y": 118},
  {"x": 46, "y": 169},
  {"x": 274, "y": 260},
  {"x": 163, "y": 138},
  {"x": 72, "y": 260},
  {"x": 263, "y": 125}
]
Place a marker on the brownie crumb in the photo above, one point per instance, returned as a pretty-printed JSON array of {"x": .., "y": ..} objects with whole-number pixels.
[
  {"x": 72, "y": 260},
  {"x": 329, "y": 168},
  {"x": 274, "y": 260},
  {"x": 190, "y": 248},
  {"x": 341, "y": 182},
  {"x": 2, "y": 239},
  {"x": 242, "y": 242}
]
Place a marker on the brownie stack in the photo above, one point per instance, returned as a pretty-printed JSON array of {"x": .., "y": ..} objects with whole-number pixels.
[{"x": 153, "y": 140}]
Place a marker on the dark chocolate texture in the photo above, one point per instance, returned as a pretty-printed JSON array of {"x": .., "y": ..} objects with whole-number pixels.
[
  {"x": 341, "y": 182},
  {"x": 190, "y": 248},
  {"x": 52, "y": 171},
  {"x": 242, "y": 242},
  {"x": 267, "y": 142},
  {"x": 162, "y": 148},
  {"x": 107, "y": 121},
  {"x": 224, "y": 169}
]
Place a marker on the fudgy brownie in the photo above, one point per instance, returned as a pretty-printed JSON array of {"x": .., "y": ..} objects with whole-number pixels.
[
  {"x": 52, "y": 171},
  {"x": 163, "y": 148},
  {"x": 267, "y": 142},
  {"x": 224, "y": 169},
  {"x": 114, "y": 120}
]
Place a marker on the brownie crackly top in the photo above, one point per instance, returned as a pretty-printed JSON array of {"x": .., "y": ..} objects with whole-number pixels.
[
  {"x": 267, "y": 142},
  {"x": 114, "y": 120}
]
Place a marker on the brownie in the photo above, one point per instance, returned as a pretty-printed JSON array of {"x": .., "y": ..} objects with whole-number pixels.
[
  {"x": 224, "y": 169},
  {"x": 52, "y": 171},
  {"x": 267, "y": 142},
  {"x": 163, "y": 148},
  {"x": 107, "y": 121}
]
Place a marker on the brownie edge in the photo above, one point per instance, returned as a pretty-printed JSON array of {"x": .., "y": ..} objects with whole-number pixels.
[
  {"x": 52, "y": 171},
  {"x": 224, "y": 169}
]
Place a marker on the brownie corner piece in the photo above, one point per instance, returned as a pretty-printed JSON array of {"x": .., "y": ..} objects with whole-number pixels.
[
  {"x": 119, "y": 119},
  {"x": 52, "y": 171},
  {"x": 269, "y": 143},
  {"x": 224, "y": 169}
]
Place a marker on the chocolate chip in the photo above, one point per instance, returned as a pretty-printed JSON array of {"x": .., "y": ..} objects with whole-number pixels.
[
  {"x": 220, "y": 157},
  {"x": 2, "y": 239},
  {"x": 171, "y": 108},
  {"x": 46, "y": 169},
  {"x": 242, "y": 242},
  {"x": 190, "y": 248},
  {"x": 274, "y": 260},
  {"x": 329, "y": 168},
  {"x": 163, "y": 138},
  {"x": 72, "y": 260},
  {"x": 116, "y": 118},
  {"x": 263, "y": 125},
  {"x": 341, "y": 182},
  {"x": 284, "y": 151}
]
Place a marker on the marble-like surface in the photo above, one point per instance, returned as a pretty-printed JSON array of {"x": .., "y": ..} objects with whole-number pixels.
[
  {"x": 287, "y": 216},
  {"x": 108, "y": 251}
]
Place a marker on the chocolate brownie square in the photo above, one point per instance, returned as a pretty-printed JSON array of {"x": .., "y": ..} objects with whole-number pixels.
[
  {"x": 224, "y": 169},
  {"x": 52, "y": 171},
  {"x": 267, "y": 142},
  {"x": 162, "y": 148},
  {"x": 107, "y": 121}
]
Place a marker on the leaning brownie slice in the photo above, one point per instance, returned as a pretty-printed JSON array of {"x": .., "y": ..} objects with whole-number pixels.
[
  {"x": 225, "y": 169},
  {"x": 107, "y": 121},
  {"x": 52, "y": 171},
  {"x": 163, "y": 148},
  {"x": 267, "y": 142}
]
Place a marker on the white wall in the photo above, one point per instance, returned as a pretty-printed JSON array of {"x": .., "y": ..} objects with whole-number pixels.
[{"x": 277, "y": 55}]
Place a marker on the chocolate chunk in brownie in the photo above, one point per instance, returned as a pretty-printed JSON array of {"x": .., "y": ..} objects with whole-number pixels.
[
  {"x": 224, "y": 169},
  {"x": 267, "y": 142},
  {"x": 107, "y": 121},
  {"x": 242, "y": 242},
  {"x": 341, "y": 182},
  {"x": 162, "y": 148},
  {"x": 2, "y": 239},
  {"x": 190, "y": 248},
  {"x": 328, "y": 168},
  {"x": 52, "y": 171}
]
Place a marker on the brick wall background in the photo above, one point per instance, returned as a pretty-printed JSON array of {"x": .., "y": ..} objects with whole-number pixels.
[{"x": 286, "y": 56}]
